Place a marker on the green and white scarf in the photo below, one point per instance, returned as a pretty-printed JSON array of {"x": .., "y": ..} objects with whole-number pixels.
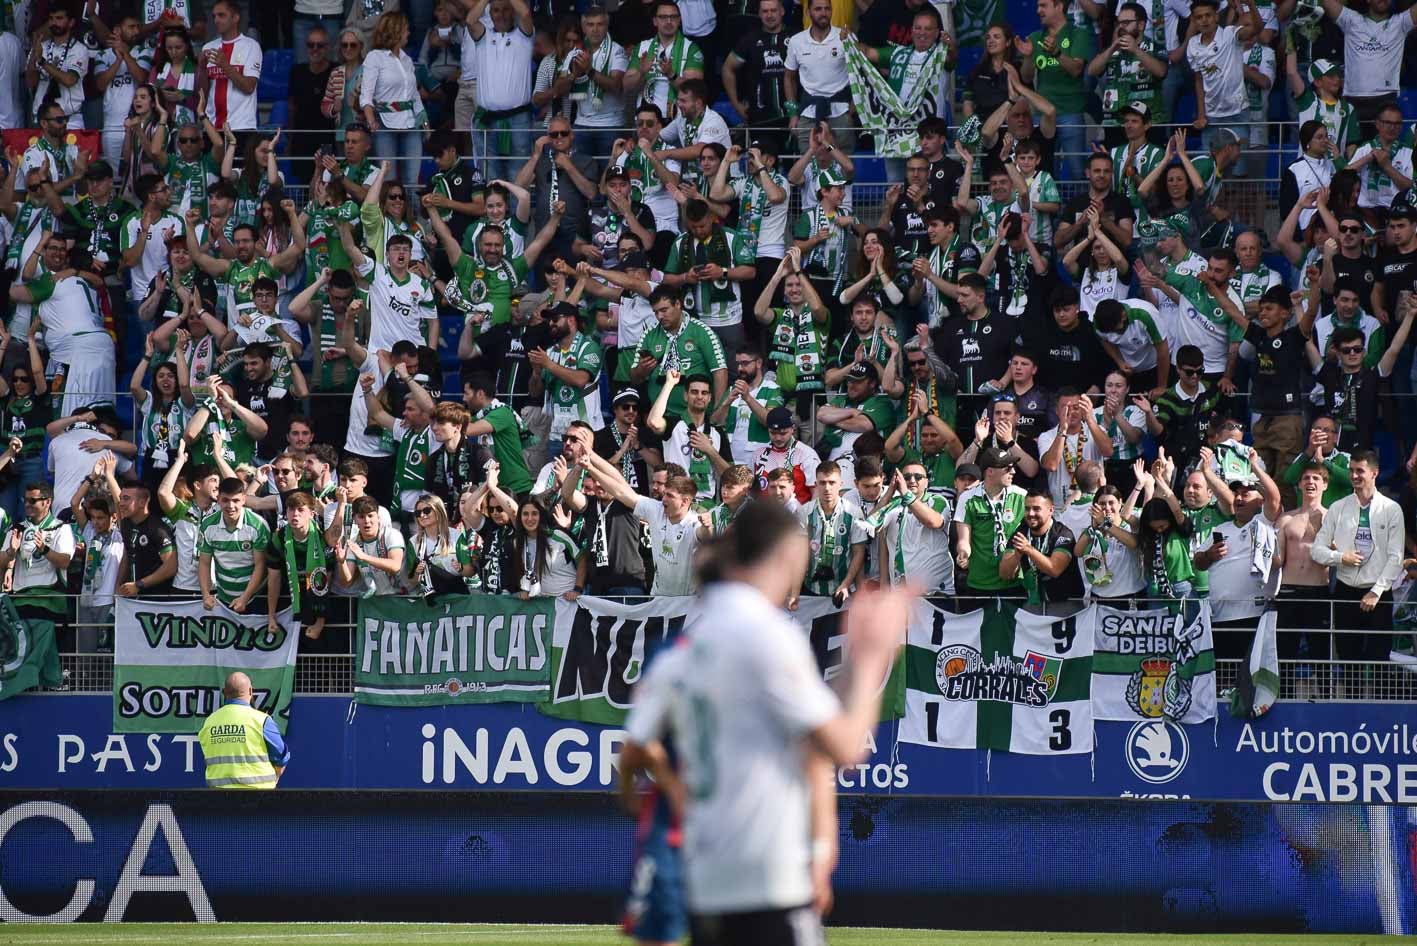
[
  {"x": 891, "y": 120},
  {"x": 314, "y": 548},
  {"x": 795, "y": 340}
]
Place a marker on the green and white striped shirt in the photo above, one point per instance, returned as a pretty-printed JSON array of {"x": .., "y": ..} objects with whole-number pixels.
[{"x": 233, "y": 550}]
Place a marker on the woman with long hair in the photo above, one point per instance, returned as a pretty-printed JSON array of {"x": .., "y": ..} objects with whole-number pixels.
[
  {"x": 543, "y": 557},
  {"x": 1125, "y": 424},
  {"x": 1106, "y": 273},
  {"x": 259, "y": 172},
  {"x": 498, "y": 213},
  {"x": 881, "y": 277},
  {"x": 1165, "y": 544},
  {"x": 163, "y": 411},
  {"x": 280, "y": 238},
  {"x": 341, "y": 101},
  {"x": 180, "y": 82},
  {"x": 1107, "y": 550},
  {"x": 989, "y": 82},
  {"x": 487, "y": 514},
  {"x": 1173, "y": 193},
  {"x": 388, "y": 97},
  {"x": 1302, "y": 245},
  {"x": 438, "y": 551},
  {"x": 552, "y": 92},
  {"x": 144, "y": 138},
  {"x": 397, "y": 204}
]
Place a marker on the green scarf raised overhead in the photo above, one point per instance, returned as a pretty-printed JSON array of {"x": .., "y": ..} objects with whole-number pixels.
[{"x": 891, "y": 120}]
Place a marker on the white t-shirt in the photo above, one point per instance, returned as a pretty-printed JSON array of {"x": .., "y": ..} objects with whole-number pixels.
[
  {"x": 609, "y": 110},
  {"x": 154, "y": 258},
  {"x": 772, "y": 233},
  {"x": 698, "y": 18},
  {"x": 71, "y": 310},
  {"x": 820, "y": 66},
  {"x": 1060, "y": 481},
  {"x": 1372, "y": 52},
  {"x": 228, "y": 106},
  {"x": 118, "y": 97},
  {"x": 397, "y": 309},
  {"x": 712, "y": 128},
  {"x": 69, "y": 56},
  {"x": 355, "y": 439},
  {"x": 634, "y": 317},
  {"x": 673, "y": 544},
  {"x": 1239, "y": 582},
  {"x": 12, "y": 64},
  {"x": 376, "y": 579},
  {"x": 1122, "y": 568},
  {"x": 741, "y": 697},
  {"x": 70, "y": 463},
  {"x": 925, "y": 551},
  {"x": 1095, "y": 286},
  {"x": 654, "y": 195},
  {"x": 1219, "y": 63},
  {"x": 36, "y": 571},
  {"x": 1375, "y": 188},
  {"x": 504, "y": 75},
  {"x": 98, "y": 590}
]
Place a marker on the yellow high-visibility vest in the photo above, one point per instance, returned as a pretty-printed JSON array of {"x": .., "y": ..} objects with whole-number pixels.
[{"x": 234, "y": 745}]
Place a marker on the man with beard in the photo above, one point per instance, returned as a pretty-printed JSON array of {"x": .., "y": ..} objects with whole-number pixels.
[
  {"x": 56, "y": 69},
  {"x": 619, "y": 442},
  {"x": 745, "y": 410},
  {"x": 1129, "y": 70},
  {"x": 708, "y": 262},
  {"x": 617, "y": 212},
  {"x": 1040, "y": 552},
  {"x": 761, "y": 54},
  {"x": 689, "y": 438},
  {"x": 905, "y": 212},
  {"x": 678, "y": 343},
  {"x": 611, "y": 562},
  {"x": 482, "y": 288},
  {"x": 1239, "y": 563},
  {"x": 569, "y": 373},
  {"x": 562, "y": 177},
  {"x": 997, "y": 428},
  {"x": 1114, "y": 212},
  {"x": 986, "y": 517}
]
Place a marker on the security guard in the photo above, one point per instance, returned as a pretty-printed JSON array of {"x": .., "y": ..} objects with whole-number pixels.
[{"x": 242, "y": 745}]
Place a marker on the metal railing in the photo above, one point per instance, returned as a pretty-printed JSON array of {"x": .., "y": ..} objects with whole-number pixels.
[{"x": 1331, "y": 679}]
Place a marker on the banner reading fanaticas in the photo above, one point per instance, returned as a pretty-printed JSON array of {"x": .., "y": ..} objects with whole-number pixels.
[
  {"x": 171, "y": 658},
  {"x": 459, "y": 649}
]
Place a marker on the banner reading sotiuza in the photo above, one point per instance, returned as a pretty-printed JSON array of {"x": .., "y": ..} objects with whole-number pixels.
[
  {"x": 473, "y": 649},
  {"x": 170, "y": 660}
]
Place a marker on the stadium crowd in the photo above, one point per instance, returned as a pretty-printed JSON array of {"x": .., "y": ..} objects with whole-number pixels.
[{"x": 574, "y": 288}]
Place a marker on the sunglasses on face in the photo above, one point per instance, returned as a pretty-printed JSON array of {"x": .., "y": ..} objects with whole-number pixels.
[
  {"x": 422, "y": 511},
  {"x": 285, "y": 471},
  {"x": 912, "y": 477},
  {"x": 348, "y": 45},
  {"x": 316, "y": 45},
  {"x": 16, "y": 379},
  {"x": 1350, "y": 229},
  {"x": 1189, "y": 372},
  {"x": 562, "y": 133},
  {"x": 1351, "y": 350},
  {"x": 35, "y": 500},
  {"x": 916, "y": 362},
  {"x": 395, "y": 197},
  {"x": 188, "y": 141}
]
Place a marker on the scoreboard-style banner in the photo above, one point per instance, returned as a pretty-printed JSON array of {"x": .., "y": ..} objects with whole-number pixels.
[{"x": 1317, "y": 752}]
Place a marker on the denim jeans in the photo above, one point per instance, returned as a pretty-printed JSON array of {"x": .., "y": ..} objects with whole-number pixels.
[
  {"x": 304, "y": 23},
  {"x": 505, "y": 149},
  {"x": 1070, "y": 146},
  {"x": 404, "y": 147}
]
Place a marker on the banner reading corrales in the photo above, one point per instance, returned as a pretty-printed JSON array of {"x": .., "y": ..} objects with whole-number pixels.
[
  {"x": 171, "y": 658},
  {"x": 473, "y": 649}
]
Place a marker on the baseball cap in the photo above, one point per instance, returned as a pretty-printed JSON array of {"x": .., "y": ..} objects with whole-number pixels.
[
  {"x": 1222, "y": 137},
  {"x": 994, "y": 459},
  {"x": 968, "y": 259},
  {"x": 831, "y": 177},
  {"x": 1324, "y": 67},
  {"x": 1136, "y": 108},
  {"x": 1277, "y": 295},
  {"x": 970, "y": 470},
  {"x": 616, "y": 172},
  {"x": 531, "y": 303},
  {"x": 563, "y": 310},
  {"x": 625, "y": 396},
  {"x": 861, "y": 371},
  {"x": 1402, "y": 210},
  {"x": 780, "y": 418},
  {"x": 1237, "y": 485},
  {"x": 634, "y": 260}
]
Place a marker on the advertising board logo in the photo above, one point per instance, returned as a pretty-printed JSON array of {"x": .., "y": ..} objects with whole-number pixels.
[{"x": 1157, "y": 750}]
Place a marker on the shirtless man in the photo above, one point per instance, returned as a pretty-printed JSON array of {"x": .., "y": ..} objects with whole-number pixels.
[{"x": 1304, "y": 580}]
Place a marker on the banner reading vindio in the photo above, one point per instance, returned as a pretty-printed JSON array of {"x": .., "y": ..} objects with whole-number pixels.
[{"x": 171, "y": 658}]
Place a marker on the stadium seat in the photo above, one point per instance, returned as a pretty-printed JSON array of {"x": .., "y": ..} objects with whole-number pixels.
[
  {"x": 870, "y": 170},
  {"x": 729, "y": 115},
  {"x": 274, "y": 84},
  {"x": 279, "y": 117}
]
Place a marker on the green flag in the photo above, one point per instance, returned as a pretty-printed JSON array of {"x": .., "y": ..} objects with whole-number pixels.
[
  {"x": 460, "y": 649},
  {"x": 891, "y": 120},
  {"x": 28, "y": 654}
]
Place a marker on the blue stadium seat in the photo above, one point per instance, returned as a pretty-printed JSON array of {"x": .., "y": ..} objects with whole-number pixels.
[
  {"x": 1407, "y": 101},
  {"x": 274, "y": 84},
  {"x": 729, "y": 115},
  {"x": 870, "y": 170},
  {"x": 280, "y": 117}
]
